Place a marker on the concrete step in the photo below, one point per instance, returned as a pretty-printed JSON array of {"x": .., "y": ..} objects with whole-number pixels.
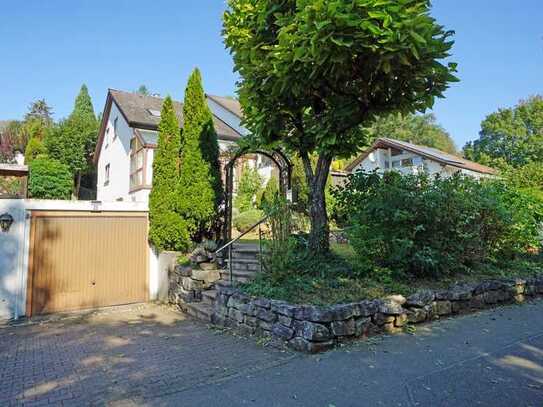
[
  {"x": 199, "y": 310},
  {"x": 240, "y": 276},
  {"x": 240, "y": 266}
]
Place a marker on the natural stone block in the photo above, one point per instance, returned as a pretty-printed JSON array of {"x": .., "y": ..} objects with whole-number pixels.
[
  {"x": 282, "y": 332},
  {"x": 251, "y": 321},
  {"x": 262, "y": 303},
  {"x": 312, "y": 331},
  {"x": 390, "y": 307},
  {"x": 441, "y": 308},
  {"x": 303, "y": 345},
  {"x": 417, "y": 315},
  {"x": 235, "y": 314},
  {"x": 491, "y": 297},
  {"x": 284, "y": 320},
  {"x": 459, "y": 307},
  {"x": 283, "y": 308},
  {"x": 420, "y": 298},
  {"x": 189, "y": 284},
  {"x": 265, "y": 315},
  {"x": 208, "y": 276},
  {"x": 265, "y": 326},
  {"x": 207, "y": 266},
  {"x": 477, "y": 301},
  {"x": 246, "y": 330},
  {"x": 343, "y": 312},
  {"x": 314, "y": 314},
  {"x": 390, "y": 328},
  {"x": 343, "y": 328},
  {"x": 397, "y": 298},
  {"x": 490, "y": 285},
  {"x": 364, "y": 327},
  {"x": 381, "y": 319},
  {"x": 368, "y": 308},
  {"x": 400, "y": 320},
  {"x": 183, "y": 271}
]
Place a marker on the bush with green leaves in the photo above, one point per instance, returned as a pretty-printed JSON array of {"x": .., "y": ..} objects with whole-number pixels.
[
  {"x": 268, "y": 194},
  {"x": 250, "y": 184},
  {"x": 245, "y": 220},
  {"x": 34, "y": 149},
  {"x": 49, "y": 179},
  {"x": 432, "y": 227}
]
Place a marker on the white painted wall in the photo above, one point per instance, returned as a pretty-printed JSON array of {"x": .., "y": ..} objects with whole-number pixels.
[
  {"x": 14, "y": 247},
  {"x": 377, "y": 161},
  {"x": 116, "y": 153}
]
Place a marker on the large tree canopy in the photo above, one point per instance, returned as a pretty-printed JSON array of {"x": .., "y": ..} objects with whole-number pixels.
[
  {"x": 513, "y": 136},
  {"x": 417, "y": 129},
  {"x": 314, "y": 71}
]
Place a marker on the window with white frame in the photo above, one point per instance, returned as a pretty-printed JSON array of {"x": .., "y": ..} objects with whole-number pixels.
[{"x": 137, "y": 154}]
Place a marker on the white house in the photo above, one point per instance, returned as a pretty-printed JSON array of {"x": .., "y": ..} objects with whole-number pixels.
[
  {"x": 128, "y": 137},
  {"x": 388, "y": 154}
]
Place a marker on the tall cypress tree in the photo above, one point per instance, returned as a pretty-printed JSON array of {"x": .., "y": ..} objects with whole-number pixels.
[
  {"x": 200, "y": 187},
  {"x": 168, "y": 230}
]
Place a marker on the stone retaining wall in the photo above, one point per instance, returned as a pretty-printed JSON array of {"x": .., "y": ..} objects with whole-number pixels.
[{"x": 313, "y": 329}]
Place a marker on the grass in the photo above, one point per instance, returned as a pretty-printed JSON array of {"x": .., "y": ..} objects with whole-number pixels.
[{"x": 334, "y": 279}]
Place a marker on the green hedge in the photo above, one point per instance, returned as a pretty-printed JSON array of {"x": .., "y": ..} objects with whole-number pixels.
[
  {"x": 434, "y": 227},
  {"x": 49, "y": 179},
  {"x": 247, "y": 219}
]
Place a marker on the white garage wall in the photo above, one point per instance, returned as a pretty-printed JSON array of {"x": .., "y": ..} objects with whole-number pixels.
[{"x": 15, "y": 243}]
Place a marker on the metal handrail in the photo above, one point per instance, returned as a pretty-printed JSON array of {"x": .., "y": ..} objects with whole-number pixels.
[{"x": 231, "y": 242}]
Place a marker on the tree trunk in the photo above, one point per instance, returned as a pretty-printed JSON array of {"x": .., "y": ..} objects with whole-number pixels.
[
  {"x": 319, "y": 235},
  {"x": 77, "y": 185}
]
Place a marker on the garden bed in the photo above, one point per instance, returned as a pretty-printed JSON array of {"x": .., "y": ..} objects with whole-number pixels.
[{"x": 310, "y": 328}]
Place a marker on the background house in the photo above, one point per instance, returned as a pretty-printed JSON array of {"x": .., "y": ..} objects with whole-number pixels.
[
  {"x": 388, "y": 154},
  {"x": 128, "y": 137}
]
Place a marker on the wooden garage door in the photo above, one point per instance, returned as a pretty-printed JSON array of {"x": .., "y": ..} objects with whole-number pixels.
[{"x": 86, "y": 260}]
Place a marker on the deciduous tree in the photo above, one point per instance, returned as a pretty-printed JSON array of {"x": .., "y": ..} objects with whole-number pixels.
[
  {"x": 313, "y": 72},
  {"x": 512, "y": 135}
]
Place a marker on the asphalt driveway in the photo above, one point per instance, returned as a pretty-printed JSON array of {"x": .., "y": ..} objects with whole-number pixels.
[{"x": 148, "y": 355}]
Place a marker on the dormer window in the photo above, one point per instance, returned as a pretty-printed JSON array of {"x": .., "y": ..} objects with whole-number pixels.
[{"x": 153, "y": 112}]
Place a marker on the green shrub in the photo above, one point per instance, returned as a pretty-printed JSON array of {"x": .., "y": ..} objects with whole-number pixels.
[
  {"x": 250, "y": 184},
  {"x": 34, "y": 148},
  {"x": 426, "y": 226},
  {"x": 245, "y": 220},
  {"x": 49, "y": 179},
  {"x": 267, "y": 195}
]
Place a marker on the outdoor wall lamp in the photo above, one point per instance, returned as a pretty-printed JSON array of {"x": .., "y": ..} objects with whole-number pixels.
[{"x": 6, "y": 220}]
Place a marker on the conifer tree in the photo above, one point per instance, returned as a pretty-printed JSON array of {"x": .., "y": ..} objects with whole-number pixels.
[
  {"x": 200, "y": 189},
  {"x": 168, "y": 230},
  {"x": 73, "y": 140}
]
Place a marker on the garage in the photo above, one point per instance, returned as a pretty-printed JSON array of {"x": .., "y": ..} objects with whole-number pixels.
[{"x": 82, "y": 260}]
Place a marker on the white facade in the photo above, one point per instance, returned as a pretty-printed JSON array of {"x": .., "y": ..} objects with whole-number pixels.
[
  {"x": 113, "y": 166},
  {"x": 407, "y": 162}
]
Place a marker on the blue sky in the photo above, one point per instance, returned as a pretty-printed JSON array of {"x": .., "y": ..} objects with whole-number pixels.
[{"x": 49, "y": 48}]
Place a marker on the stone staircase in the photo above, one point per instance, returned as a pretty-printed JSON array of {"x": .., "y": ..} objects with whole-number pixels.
[
  {"x": 201, "y": 310},
  {"x": 245, "y": 263},
  {"x": 245, "y": 266}
]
